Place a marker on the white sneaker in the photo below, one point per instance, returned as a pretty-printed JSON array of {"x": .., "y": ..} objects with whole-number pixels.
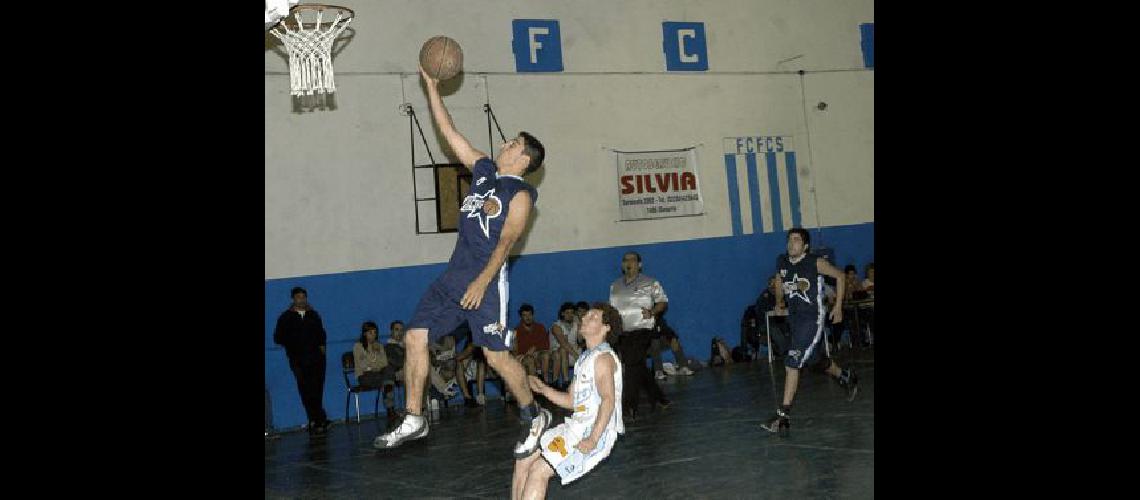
[
  {"x": 669, "y": 369},
  {"x": 685, "y": 371},
  {"x": 434, "y": 405},
  {"x": 660, "y": 375},
  {"x": 481, "y": 399},
  {"x": 529, "y": 441},
  {"x": 412, "y": 427}
]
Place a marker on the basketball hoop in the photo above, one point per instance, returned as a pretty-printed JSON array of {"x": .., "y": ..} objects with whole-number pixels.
[{"x": 309, "y": 34}]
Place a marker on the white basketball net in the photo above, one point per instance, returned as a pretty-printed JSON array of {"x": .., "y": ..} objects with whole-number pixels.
[{"x": 310, "y": 54}]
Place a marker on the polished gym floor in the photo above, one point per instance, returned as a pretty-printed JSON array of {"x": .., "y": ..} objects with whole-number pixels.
[{"x": 708, "y": 444}]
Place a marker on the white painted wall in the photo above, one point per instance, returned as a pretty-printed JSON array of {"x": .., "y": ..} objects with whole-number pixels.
[{"x": 339, "y": 183}]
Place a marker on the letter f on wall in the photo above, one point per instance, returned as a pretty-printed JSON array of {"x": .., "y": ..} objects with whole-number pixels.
[
  {"x": 534, "y": 44},
  {"x": 531, "y": 54}
]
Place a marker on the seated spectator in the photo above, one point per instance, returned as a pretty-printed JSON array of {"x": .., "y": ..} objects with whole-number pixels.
[
  {"x": 580, "y": 310},
  {"x": 721, "y": 354},
  {"x": 470, "y": 364},
  {"x": 372, "y": 368},
  {"x": 869, "y": 283},
  {"x": 750, "y": 329},
  {"x": 442, "y": 368},
  {"x": 394, "y": 348},
  {"x": 772, "y": 299},
  {"x": 564, "y": 344},
  {"x": 667, "y": 338},
  {"x": 532, "y": 346},
  {"x": 867, "y": 315},
  {"x": 851, "y": 283},
  {"x": 835, "y": 330}
]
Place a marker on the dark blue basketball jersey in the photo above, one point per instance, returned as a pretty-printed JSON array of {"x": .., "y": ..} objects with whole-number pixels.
[
  {"x": 481, "y": 219},
  {"x": 803, "y": 285}
]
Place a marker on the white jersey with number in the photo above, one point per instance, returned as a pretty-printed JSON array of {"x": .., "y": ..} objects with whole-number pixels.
[
  {"x": 559, "y": 443},
  {"x": 587, "y": 399}
]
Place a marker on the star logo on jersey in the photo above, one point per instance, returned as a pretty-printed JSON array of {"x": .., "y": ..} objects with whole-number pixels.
[
  {"x": 797, "y": 288},
  {"x": 473, "y": 207}
]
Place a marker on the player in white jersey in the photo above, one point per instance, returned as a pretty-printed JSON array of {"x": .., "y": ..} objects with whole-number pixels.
[{"x": 584, "y": 439}]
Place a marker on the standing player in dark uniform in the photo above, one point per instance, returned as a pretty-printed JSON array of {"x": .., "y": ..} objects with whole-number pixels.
[
  {"x": 801, "y": 274},
  {"x": 473, "y": 289}
]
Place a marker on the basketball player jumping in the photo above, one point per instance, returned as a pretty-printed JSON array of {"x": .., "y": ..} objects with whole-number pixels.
[
  {"x": 473, "y": 288},
  {"x": 802, "y": 276}
]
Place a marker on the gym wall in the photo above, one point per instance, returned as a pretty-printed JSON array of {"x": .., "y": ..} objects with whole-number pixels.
[{"x": 340, "y": 219}]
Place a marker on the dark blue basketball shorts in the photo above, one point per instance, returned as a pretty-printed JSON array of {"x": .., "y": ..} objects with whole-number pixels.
[
  {"x": 440, "y": 313},
  {"x": 806, "y": 348}
]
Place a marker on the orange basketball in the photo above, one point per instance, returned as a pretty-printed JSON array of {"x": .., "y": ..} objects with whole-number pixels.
[{"x": 441, "y": 57}]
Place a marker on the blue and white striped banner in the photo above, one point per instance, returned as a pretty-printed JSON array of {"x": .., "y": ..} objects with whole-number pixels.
[{"x": 763, "y": 186}]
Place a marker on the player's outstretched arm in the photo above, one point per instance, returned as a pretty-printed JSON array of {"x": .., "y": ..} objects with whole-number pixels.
[
  {"x": 468, "y": 155},
  {"x": 560, "y": 398}
]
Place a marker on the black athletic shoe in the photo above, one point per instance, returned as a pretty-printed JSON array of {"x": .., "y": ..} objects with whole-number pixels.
[{"x": 778, "y": 423}]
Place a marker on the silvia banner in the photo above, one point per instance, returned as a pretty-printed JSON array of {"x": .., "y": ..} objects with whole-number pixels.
[{"x": 655, "y": 184}]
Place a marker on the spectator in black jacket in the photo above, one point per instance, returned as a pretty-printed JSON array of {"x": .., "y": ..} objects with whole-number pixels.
[{"x": 300, "y": 331}]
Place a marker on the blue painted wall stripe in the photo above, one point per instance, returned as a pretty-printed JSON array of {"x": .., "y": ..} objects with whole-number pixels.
[
  {"x": 707, "y": 296},
  {"x": 793, "y": 188},
  {"x": 867, "y": 43},
  {"x": 733, "y": 193},
  {"x": 774, "y": 188},
  {"x": 754, "y": 192}
]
